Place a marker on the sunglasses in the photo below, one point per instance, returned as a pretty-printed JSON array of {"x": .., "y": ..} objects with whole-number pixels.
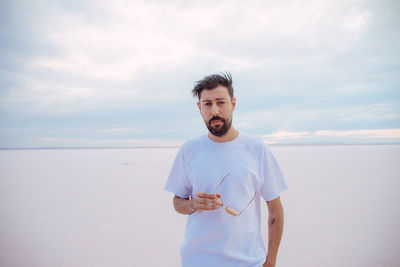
[{"x": 229, "y": 209}]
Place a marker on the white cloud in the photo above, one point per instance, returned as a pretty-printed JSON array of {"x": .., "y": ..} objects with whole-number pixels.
[
  {"x": 307, "y": 116},
  {"x": 154, "y": 35},
  {"x": 97, "y": 54},
  {"x": 379, "y": 133},
  {"x": 283, "y": 134},
  {"x": 356, "y": 20},
  {"x": 38, "y": 95},
  {"x": 85, "y": 142}
]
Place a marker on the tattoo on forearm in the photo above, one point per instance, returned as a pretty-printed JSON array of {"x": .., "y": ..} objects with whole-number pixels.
[{"x": 272, "y": 221}]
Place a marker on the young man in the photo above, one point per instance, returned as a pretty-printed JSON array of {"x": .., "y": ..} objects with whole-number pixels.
[{"x": 218, "y": 180}]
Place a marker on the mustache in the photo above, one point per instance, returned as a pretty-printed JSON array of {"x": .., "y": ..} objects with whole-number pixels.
[{"x": 215, "y": 118}]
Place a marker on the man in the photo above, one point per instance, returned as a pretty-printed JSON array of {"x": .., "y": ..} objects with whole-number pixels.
[{"x": 218, "y": 180}]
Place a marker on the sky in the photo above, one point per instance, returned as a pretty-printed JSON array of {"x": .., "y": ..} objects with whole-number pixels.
[{"x": 99, "y": 73}]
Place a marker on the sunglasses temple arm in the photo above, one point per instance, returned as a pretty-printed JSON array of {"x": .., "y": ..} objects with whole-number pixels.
[
  {"x": 215, "y": 190},
  {"x": 248, "y": 203}
]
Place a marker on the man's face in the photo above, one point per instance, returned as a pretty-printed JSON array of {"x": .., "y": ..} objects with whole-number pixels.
[{"x": 216, "y": 107}]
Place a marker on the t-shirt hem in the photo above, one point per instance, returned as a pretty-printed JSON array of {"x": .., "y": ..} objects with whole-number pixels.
[
  {"x": 176, "y": 193},
  {"x": 274, "y": 196}
]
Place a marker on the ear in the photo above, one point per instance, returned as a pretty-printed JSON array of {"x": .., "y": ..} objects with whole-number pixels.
[
  {"x": 233, "y": 103},
  {"x": 199, "y": 106}
]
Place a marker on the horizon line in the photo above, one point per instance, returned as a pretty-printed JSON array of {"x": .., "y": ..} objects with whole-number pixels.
[{"x": 172, "y": 146}]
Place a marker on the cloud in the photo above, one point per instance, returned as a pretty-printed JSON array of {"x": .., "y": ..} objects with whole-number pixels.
[
  {"x": 117, "y": 138},
  {"x": 80, "y": 142},
  {"x": 376, "y": 135},
  {"x": 309, "y": 117},
  {"x": 380, "y": 133},
  {"x": 287, "y": 135},
  {"x": 298, "y": 66}
]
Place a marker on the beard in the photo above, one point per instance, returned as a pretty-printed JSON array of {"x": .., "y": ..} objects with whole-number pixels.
[{"x": 219, "y": 130}]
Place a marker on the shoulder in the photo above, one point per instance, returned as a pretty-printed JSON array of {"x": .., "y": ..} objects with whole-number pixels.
[
  {"x": 192, "y": 144},
  {"x": 254, "y": 143}
]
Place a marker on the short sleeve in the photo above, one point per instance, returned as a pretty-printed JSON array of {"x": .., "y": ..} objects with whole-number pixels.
[
  {"x": 274, "y": 182},
  {"x": 178, "y": 181}
]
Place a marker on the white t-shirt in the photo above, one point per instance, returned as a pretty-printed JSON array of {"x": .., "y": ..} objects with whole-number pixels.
[{"x": 216, "y": 238}]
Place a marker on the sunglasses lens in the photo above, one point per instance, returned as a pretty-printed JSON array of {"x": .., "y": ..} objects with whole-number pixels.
[{"x": 232, "y": 211}]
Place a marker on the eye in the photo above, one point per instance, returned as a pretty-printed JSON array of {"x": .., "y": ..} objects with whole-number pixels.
[
  {"x": 221, "y": 102},
  {"x": 207, "y": 104}
]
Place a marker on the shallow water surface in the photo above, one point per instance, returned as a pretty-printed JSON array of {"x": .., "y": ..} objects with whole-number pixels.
[{"x": 107, "y": 207}]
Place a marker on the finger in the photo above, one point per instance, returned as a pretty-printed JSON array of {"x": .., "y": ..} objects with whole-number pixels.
[
  {"x": 206, "y": 204},
  {"x": 208, "y": 201},
  {"x": 210, "y": 207},
  {"x": 201, "y": 203},
  {"x": 202, "y": 195},
  {"x": 216, "y": 200},
  {"x": 212, "y": 202},
  {"x": 211, "y": 196},
  {"x": 205, "y": 195}
]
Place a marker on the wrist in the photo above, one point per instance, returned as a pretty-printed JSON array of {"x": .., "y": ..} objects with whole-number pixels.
[
  {"x": 192, "y": 209},
  {"x": 270, "y": 261}
]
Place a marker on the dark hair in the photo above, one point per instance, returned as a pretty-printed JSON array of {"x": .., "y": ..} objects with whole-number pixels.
[{"x": 213, "y": 81}]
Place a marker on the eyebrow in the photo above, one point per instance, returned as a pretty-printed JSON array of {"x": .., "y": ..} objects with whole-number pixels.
[{"x": 209, "y": 100}]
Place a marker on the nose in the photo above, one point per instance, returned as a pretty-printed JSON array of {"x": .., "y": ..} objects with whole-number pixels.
[{"x": 214, "y": 110}]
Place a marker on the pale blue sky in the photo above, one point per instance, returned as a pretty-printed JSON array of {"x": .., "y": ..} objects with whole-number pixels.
[{"x": 119, "y": 73}]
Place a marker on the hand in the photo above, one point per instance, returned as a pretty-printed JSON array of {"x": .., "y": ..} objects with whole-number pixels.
[{"x": 204, "y": 201}]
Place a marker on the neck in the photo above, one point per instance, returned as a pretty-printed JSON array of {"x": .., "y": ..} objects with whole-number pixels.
[{"x": 229, "y": 136}]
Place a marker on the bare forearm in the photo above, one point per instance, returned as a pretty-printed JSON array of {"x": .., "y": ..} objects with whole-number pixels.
[
  {"x": 184, "y": 205},
  {"x": 275, "y": 230}
]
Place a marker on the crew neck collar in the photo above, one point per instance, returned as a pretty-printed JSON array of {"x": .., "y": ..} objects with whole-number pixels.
[{"x": 223, "y": 143}]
